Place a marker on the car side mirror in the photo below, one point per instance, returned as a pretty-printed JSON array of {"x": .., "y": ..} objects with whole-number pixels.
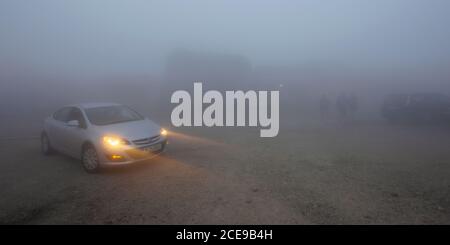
[{"x": 73, "y": 123}]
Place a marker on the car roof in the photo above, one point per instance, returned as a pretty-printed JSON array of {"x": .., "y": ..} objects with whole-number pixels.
[
  {"x": 93, "y": 104},
  {"x": 430, "y": 94}
]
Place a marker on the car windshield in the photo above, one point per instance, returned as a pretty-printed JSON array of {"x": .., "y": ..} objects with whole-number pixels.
[{"x": 111, "y": 114}]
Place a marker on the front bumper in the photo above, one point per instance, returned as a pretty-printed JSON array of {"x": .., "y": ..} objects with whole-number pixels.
[{"x": 132, "y": 153}]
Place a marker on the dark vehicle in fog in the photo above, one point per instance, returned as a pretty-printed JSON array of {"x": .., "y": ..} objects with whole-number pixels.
[{"x": 418, "y": 107}]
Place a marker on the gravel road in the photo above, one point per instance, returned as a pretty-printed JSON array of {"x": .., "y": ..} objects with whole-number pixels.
[{"x": 328, "y": 174}]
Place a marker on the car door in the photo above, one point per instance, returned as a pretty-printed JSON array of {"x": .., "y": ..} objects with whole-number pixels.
[
  {"x": 73, "y": 137},
  {"x": 56, "y": 126}
]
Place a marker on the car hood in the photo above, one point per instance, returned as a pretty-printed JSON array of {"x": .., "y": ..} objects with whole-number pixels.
[{"x": 131, "y": 130}]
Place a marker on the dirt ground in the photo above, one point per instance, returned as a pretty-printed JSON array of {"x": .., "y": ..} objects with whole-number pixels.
[{"x": 328, "y": 173}]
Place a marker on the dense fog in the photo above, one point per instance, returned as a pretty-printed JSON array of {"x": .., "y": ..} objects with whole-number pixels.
[{"x": 54, "y": 53}]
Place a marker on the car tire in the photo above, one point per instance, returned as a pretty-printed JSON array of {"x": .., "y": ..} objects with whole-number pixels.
[
  {"x": 46, "y": 147},
  {"x": 90, "y": 160}
]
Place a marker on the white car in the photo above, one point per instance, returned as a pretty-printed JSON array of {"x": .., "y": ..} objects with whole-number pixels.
[{"x": 102, "y": 134}]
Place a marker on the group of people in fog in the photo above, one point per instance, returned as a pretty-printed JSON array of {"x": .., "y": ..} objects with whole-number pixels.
[{"x": 346, "y": 105}]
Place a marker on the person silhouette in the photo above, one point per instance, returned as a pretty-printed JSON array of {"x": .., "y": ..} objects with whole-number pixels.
[
  {"x": 342, "y": 105},
  {"x": 352, "y": 101},
  {"x": 324, "y": 105}
]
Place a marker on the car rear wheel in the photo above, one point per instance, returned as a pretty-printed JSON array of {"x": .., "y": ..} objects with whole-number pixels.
[
  {"x": 46, "y": 147},
  {"x": 90, "y": 159}
]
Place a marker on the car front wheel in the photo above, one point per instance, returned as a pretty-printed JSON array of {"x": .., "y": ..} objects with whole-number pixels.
[{"x": 90, "y": 159}]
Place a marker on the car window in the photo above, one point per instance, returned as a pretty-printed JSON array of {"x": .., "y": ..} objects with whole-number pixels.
[
  {"x": 440, "y": 99},
  {"x": 63, "y": 114},
  {"x": 67, "y": 114},
  {"x": 76, "y": 114}
]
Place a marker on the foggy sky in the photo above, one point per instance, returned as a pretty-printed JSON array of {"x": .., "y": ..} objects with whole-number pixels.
[{"x": 97, "y": 37}]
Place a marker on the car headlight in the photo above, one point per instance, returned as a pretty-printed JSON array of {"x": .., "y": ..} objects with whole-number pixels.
[
  {"x": 163, "y": 132},
  {"x": 114, "y": 141}
]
